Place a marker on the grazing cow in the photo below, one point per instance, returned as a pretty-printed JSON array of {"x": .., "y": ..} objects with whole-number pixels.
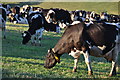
[
  {"x": 58, "y": 16},
  {"x": 82, "y": 38},
  {"x": 35, "y": 21},
  {"x": 3, "y": 15},
  {"x": 37, "y": 24}
]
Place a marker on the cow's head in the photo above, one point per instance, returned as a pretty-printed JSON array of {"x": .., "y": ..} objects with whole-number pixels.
[
  {"x": 50, "y": 16},
  {"x": 26, "y": 37},
  {"x": 75, "y": 15},
  {"x": 51, "y": 59}
]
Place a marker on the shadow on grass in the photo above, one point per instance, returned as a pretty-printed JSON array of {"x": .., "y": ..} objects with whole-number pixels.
[{"x": 9, "y": 74}]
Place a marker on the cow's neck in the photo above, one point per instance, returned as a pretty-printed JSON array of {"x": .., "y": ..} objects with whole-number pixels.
[
  {"x": 68, "y": 42},
  {"x": 31, "y": 31},
  {"x": 62, "y": 48}
]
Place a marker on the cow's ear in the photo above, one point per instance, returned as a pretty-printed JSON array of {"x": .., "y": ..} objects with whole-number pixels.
[{"x": 50, "y": 50}]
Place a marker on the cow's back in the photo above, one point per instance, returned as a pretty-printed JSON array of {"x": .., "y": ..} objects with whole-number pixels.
[
  {"x": 62, "y": 15},
  {"x": 102, "y": 34}
]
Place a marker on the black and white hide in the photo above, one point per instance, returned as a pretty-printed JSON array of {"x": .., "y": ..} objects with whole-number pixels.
[
  {"x": 59, "y": 16},
  {"x": 37, "y": 24}
]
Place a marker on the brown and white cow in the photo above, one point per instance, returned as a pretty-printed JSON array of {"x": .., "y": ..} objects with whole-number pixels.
[{"x": 84, "y": 39}]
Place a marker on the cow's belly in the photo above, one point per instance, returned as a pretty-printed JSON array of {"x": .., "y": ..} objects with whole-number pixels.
[{"x": 95, "y": 51}]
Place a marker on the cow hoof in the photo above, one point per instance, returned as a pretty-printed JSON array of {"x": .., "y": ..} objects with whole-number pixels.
[
  {"x": 74, "y": 70},
  {"x": 110, "y": 75},
  {"x": 113, "y": 73},
  {"x": 90, "y": 73}
]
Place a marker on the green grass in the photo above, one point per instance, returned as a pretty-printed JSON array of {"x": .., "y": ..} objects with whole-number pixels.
[{"x": 27, "y": 61}]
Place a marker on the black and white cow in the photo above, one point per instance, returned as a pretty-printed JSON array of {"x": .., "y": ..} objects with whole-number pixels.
[
  {"x": 35, "y": 21},
  {"x": 37, "y": 24},
  {"x": 114, "y": 18},
  {"x": 104, "y": 16},
  {"x": 16, "y": 16},
  {"x": 3, "y": 16},
  {"x": 26, "y": 9},
  {"x": 7, "y": 7},
  {"x": 59, "y": 16},
  {"x": 83, "y": 16},
  {"x": 78, "y": 15},
  {"x": 83, "y": 38}
]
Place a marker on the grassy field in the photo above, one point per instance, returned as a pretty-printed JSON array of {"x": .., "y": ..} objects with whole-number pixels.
[{"x": 27, "y": 61}]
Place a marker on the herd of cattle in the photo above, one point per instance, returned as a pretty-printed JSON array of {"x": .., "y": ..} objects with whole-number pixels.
[{"x": 86, "y": 32}]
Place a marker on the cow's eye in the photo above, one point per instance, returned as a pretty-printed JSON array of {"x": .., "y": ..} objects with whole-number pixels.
[{"x": 74, "y": 50}]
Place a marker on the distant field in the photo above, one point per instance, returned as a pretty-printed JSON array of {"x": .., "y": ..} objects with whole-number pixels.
[{"x": 110, "y": 7}]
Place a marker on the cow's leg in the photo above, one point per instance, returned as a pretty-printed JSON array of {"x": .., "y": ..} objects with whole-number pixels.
[
  {"x": 39, "y": 41},
  {"x": 76, "y": 54},
  {"x": 40, "y": 36},
  {"x": 57, "y": 29},
  {"x": 114, "y": 61},
  {"x": 4, "y": 29},
  {"x": 33, "y": 38},
  {"x": 4, "y": 32},
  {"x": 87, "y": 61},
  {"x": 75, "y": 64},
  {"x": 113, "y": 70}
]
